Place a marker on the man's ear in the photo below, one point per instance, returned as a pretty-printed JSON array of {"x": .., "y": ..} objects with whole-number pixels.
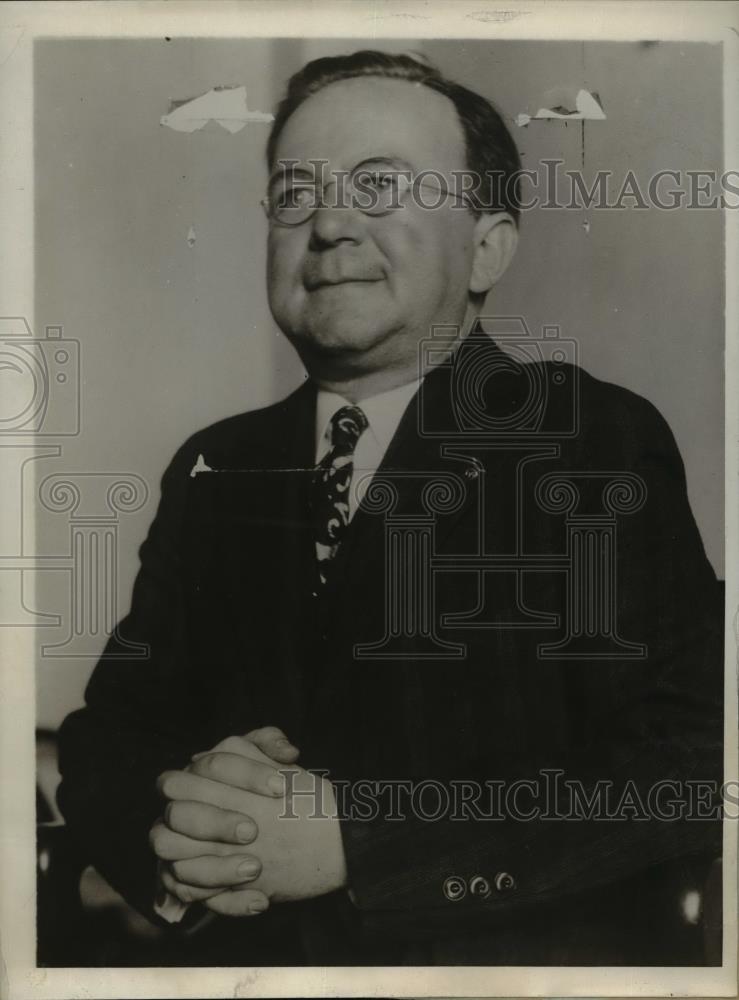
[{"x": 495, "y": 239}]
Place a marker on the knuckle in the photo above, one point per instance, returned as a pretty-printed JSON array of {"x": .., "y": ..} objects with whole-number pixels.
[
  {"x": 161, "y": 843},
  {"x": 155, "y": 834},
  {"x": 167, "y": 783},
  {"x": 233, "y": 744},
  {"x": 167, "y": 876},
  {"x": 181, "y": 817},
  {"x": 180, "y": 870},
  {"x": 209, "y": 767},
  {"x": 185, "y": 893},
  {"x": 168, "y": 879},
  {"x": 272, "y": 733},
  {"x": 203, "y": 768},
  {"x": 171, "y": 814},
  {"x": 162, "y": 782}
]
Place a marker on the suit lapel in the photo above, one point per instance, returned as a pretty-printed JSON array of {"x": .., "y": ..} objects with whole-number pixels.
[
  {"x": 429, "y": 447},
  {"x": 420, "y": 452},
  {"x": 275, "y": 500}
]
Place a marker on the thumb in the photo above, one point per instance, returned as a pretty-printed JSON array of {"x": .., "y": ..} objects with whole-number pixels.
[{"x": 273, "y": 742}]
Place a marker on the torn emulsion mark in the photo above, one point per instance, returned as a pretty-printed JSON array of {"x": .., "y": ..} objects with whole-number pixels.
[
  {"x": 243, "y": 987},
  {"x": 14, "y": 42},
  {"x": 587, "y": 107},
  {"x": 496, "y": 16},
  {"x": 224, "y": 105},
  {"x": 200, "y": 466},
  {"x": 191, "y": 237},
  {"x": 691, "y": 906}
]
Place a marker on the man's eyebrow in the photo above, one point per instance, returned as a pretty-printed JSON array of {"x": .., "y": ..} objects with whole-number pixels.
[
  {"x": 389, "y": 159},
  {"x": 291, "y": 167}
]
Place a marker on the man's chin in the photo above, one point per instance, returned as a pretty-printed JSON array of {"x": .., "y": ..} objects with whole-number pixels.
[{"x": 337, "y": 340}]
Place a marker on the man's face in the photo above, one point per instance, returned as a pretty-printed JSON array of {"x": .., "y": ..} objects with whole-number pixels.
[{"x": 356, "y": 292}]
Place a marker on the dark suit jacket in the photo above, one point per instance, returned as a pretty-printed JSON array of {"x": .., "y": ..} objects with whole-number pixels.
[{"x": 224, "y": 601}]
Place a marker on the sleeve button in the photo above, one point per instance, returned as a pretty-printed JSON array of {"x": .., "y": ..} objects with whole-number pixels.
[
  {"x": 455, "y": 888},
  {"x": 504, "y": 882},
  {"x": 480, "y": 887}
]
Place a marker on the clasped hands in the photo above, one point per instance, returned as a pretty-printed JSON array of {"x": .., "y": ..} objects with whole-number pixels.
[{"x": 232, "y": 839}]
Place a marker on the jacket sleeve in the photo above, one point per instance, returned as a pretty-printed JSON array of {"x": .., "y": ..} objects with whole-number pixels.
[
  {"x": 644, "y": 722},
  {"x": 138, "y": 719}
]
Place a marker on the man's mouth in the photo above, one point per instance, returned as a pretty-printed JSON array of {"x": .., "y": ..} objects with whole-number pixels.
[{"x": 315, "y": 284}]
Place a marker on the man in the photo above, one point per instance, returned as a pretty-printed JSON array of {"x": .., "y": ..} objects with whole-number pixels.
[{"x": 268, "y": 599}]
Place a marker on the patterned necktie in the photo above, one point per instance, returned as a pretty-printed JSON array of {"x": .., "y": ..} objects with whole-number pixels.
[{"x": 331, "y": 484}]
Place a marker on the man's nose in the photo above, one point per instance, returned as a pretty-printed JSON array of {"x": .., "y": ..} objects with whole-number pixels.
[{"x": 336, "y": 220}]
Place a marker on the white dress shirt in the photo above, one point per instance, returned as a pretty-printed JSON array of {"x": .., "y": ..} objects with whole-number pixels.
[{"x": 383, "y": 413}]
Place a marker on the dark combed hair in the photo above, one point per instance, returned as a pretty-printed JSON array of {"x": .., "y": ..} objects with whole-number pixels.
[{"x": 492, "y": 157}]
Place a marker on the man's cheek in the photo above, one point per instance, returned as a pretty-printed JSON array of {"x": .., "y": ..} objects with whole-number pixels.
[
  {"x": 417, "y": 260},
  {"x": 284, "y": 260},
  {"x": 286, "y": 294}
]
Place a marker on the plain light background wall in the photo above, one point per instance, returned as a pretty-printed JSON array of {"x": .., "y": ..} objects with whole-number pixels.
[{"x": 175, "y": 336}]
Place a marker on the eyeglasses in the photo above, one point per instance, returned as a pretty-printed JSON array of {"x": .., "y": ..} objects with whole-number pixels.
[{"x": 374, "y": 187}]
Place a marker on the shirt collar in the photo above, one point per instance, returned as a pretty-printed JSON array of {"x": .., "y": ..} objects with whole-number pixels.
[{"x": 383, "y": 412}]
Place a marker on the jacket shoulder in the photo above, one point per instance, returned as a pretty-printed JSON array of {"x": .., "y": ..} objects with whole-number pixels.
[
  {"x": 246, "y": 439},
  {"x": 619, "y": 418}
]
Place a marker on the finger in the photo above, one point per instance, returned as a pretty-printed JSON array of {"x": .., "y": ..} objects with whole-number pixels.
[
  {"x": 268, "y": 744},
  {"x": 273, "y": 742},
  {"x": 183, "y": 785},
  {"x": 211, "y": 870},
  {"x": 240, "y": 772},
  {"x": 207, "y": 823},
  {"x": 171, "y": 846},
  {"x": 185, "y": 893},
  {"x": 238, "y": 903},
  {"x": 238, "y": 745}
]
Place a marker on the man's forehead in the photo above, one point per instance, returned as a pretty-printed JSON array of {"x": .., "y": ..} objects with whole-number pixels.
[{"x": 351, "y": 120}]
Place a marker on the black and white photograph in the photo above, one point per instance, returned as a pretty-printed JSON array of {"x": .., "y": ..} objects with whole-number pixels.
[{"x": 369, "y": 499}]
